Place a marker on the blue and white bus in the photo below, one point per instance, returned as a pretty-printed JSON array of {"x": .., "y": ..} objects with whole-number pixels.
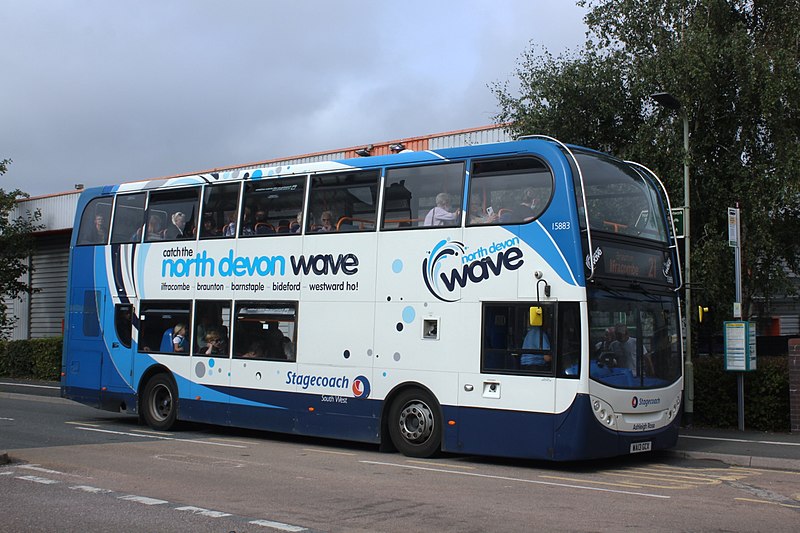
[{"x": 517, "y": 299}]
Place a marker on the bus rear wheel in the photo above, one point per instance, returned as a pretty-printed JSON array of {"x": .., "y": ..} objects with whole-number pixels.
[
  {"x": 160, "y": 402},
  {"x": 415, "y": 424}
]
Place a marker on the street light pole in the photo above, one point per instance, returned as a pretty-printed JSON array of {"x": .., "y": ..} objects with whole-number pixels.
[{"x": 670, "y": 102}]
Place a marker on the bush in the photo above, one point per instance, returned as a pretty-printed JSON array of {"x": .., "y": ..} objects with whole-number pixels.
[
  {"x": 32, "y": 359},
  {"x": 766, "y": 394}
]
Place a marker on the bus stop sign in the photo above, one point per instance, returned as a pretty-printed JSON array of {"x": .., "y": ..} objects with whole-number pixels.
[{"x": 677, "y": 216}]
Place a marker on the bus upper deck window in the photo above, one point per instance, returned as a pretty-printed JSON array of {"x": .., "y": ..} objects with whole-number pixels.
[{"x": 509, "y": 191}]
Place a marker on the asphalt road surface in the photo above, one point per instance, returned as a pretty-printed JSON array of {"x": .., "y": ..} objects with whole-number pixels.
[{"x": 74, "y": 468}]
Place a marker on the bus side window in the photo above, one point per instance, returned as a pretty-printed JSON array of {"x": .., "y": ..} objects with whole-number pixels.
[
  {"x": 428, "y": 195},
  {"x": 164, "y": 327},
  {"x": 269, "y": 207},
  {"x": 128, "y": 218},
  {"x": 123, "y": 323},
  {"x": 95, "y": 222},
  {"x": 343, "y": 202},
  {"x": 509, "y": 191},
  {"x": 265, "y": 330},
  {"x": 175, "y": 211},
  {"x": 218, "y": 202},
  {"x": 569, "y": 341},
  {"x": 212, "y": 325},
  {"x": 512, "y": 343}
]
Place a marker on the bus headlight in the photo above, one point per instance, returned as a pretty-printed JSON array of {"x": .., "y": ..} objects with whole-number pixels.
[{"x": 604, "y": 413}]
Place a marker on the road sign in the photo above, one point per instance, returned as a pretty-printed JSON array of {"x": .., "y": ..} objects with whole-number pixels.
[{"x": 677, "y": 216}]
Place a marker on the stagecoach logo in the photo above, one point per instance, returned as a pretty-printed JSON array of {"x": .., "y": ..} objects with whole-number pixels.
[
  {"x": 644, "y": 402},
  {"x": 361, "y": 388},
  {"x": 449, "y": 266}
]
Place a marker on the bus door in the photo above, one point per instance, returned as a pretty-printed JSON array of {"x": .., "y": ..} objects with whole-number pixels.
[
  {"x": 85, "y": 346},
  {"x": 514, "y": 392},
  {"x": 116, "y": 372}
]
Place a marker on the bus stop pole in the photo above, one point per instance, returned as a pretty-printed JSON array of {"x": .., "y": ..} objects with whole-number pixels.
[{"x": 737, "y": 251}]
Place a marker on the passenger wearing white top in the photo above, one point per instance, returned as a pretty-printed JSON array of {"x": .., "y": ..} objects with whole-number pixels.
[{"x": 441, "y": 214}]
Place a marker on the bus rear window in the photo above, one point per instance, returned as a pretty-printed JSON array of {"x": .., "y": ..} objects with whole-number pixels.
[{"x": 95, "y": 221}]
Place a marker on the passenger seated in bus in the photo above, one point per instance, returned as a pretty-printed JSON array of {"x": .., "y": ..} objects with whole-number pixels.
[
  {"x": 100, "y": 230},
  {"x": 525, "y": 212},
  {"x": 536, "y": 339},
  {"x": 297, "y": 223},
  {"x": 288, "y": 349},
  {"x": 154, "y": 230},
  {"x": 441, "y": 214},
  {"x": 256, "y": 350},
  {"x": 247, "y": 222},
  {"x": 262, "y": 227},
  {"x": 274, "y": 342},
  {"x": 209, "y": 228},
  {"x": 176, "y": 229},
  {"x": 230, "y": 228},
  {"x": 327, "y": 222},
  {"x": 215, "y": 343},
  {"x": 174, "y": 339},
  {"x": 478, "y": 216}
]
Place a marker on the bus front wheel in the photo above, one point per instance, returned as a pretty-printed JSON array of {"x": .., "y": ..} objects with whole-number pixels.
[
  {"x": 160, "y": 402},
  {"x": 415, "y": 424}
]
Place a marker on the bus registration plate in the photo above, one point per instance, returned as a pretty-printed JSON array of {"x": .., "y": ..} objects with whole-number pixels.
[{"x": 637, "y": 447}]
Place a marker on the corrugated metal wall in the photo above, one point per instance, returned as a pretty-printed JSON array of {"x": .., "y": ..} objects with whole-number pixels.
[{"x": 50, "y": 262}]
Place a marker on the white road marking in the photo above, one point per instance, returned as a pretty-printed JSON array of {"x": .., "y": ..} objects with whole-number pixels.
[
  {"x": 37, "y": 479},
  {"x": 203, "y": 512},
  {"x": 91, "y": 490},
  {"x": 277, "y": 525},
  {"x": 141, "y": 436},
  {"x": 30, "y": 385},
  {"x": 142, "y": 499},
  {"x": 518, "y": 480},
  {"x": 37, "y": 468},
  {"x": 6, "y": 418}
]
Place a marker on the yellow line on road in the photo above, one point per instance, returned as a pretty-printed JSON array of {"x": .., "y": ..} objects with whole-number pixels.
[
  {"x": 674, "y": 479},
  {"x": 428, "y": 463},
  {"x": 581, "y": 480},
  {"x": 317, "y": 450},
  {"x": 768, "y": 502}
]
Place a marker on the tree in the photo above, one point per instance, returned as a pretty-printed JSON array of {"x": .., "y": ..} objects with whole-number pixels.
[
  {"x": 15, "y": 247},
  {"x": 735, "y": 66}
]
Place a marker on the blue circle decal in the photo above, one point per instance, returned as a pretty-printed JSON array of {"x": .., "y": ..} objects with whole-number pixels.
[{"x": 409, "y": 314}]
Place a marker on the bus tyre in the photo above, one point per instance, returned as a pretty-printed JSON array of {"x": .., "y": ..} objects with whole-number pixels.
[
  {"x": 415, "y": 424},
  {"x": 160, "y": 402}
]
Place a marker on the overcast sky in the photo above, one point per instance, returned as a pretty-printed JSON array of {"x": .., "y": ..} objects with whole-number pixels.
[{"x": 101, "y": 92}]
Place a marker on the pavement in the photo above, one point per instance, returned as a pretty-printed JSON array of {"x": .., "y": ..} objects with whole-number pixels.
[{"x": 753, "y": 449}]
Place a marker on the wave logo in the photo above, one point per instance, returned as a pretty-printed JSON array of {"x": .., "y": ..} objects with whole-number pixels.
[
  {"x": 444, "y": 270},
  {"x": 634, "y": 402},
  {"x": 361, "y": 388},
  {"x": 444, "y": 252}
]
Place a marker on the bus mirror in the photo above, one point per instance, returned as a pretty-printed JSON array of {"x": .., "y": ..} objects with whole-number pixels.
[{"x": 535, "y": 318}]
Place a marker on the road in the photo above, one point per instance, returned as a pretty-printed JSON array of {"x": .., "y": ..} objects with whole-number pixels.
[{"x": 78, "y": 469}]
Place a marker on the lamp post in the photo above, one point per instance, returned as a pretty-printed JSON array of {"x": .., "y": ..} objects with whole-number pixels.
[{"x": 670, "y": 102}]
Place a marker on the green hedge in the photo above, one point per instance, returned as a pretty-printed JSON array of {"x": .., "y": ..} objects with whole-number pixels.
[
  {"x": 766, "y": 394},
  {"x": 31, "y": 359}
]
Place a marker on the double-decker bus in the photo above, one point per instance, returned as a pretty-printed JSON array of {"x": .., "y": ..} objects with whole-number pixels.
[{"x": 515, "y": 299}]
